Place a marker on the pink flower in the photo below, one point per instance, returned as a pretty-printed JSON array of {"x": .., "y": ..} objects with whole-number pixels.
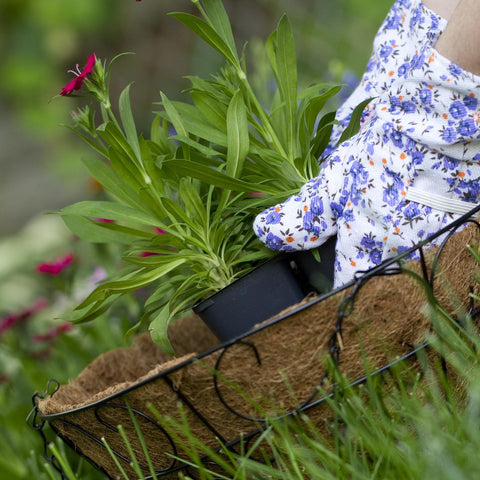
[
  {"x": 12, "y": 319},
  {"x": 77, "y": 82},
  {"x": 52, "y": 333},
  {"x": 158, "y": 230},
  {"x": 57, "y": 266}
]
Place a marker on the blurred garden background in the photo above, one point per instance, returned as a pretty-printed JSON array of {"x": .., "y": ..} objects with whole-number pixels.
[
  {"x": 41, "y": 171},
  {"x": 40, "y": 40}
]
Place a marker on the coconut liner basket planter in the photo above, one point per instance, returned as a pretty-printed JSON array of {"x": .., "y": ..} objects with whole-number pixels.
[{"x": 381, "y": 318}]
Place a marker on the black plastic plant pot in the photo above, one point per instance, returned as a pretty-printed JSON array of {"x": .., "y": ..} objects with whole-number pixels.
[
  {"x": 253, "y": 298},
  {"x": 318, "y": 274}
]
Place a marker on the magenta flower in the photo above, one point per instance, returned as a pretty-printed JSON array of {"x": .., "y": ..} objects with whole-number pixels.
[
  {"x": 12, "y": 319},
  {"x": 57, "y": 266},
  {"x": 80, "y": 76}
]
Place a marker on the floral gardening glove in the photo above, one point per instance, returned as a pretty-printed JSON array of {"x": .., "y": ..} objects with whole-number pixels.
[{"x": 413, "y": 168}]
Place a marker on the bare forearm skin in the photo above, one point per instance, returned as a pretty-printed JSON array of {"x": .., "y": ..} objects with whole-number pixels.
[
  {"x": 460, "y": 42},
  {"x": 444, "y": 8}
]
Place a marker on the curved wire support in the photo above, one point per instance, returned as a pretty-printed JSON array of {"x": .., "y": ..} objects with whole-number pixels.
[
  {"x": 441, "y": 247},
  {"x": 217, "y": 373},
  {"x": 35, "y": 422}
]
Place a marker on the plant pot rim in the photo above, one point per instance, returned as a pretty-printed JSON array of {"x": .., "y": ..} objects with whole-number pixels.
[{"x": 275, "y": 258}]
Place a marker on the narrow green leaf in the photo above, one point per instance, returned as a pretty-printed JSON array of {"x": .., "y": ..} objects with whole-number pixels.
[
  {"x": 176, "y": 212},
  {"x": 159, "y": 135},
  {"x": 354, "y": 125},
  {"x": 193, "y": 203},
  {"x": 200, "y": 147},
  {"x": 311, "y": 166},
  {"x": 322, "y": 136},
  {"x": 112, "y": 61},
  {"x": 261, "y": 254},
  {"x": 219, "y": 20},
  {"x": 213, "y": 110},
  {"x": 173, "y": 115},
  {"x": 98, "y": 147},
  {"x": 270, "y": 47},
  {"x": 107, "y": 177},
  {"x": 158, "y": 330},
  {"x": 115, "y": 137},
  {"x": 287, "y": 79},
  {"x": 214, "y": 177},
  {"x": 158, "y": 256},
  {"x": 237, "y": 135},
  {"x": 62, "y": 461},
  {"x": 126, "y": 172},
  {"x": 115, "y": 459},
  {"x": 102, "y": 232},
  {"x": 195, "y": 123},
  {"x": 207, "y": 86},
  {"x": 92, "y": 312},
  {"x": 111, "y": 211},
  {"x": 270, "y": 164},
  {"x": 140, "y": 279},
  {"x": 314, "y": 105},
  {"x": 149, "y": 155},
  {"x": 317, "y": 90},
  {"x": 128, "y": 121},
  {"x": 277, "y": 118},
  {"x": 207, "y": 34}
]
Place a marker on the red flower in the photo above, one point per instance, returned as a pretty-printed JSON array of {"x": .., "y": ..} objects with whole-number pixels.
[
  {"x": 57, "y": 266},
  {"x": 10, "y": 320},
  {"x": 77, "y": 82}
]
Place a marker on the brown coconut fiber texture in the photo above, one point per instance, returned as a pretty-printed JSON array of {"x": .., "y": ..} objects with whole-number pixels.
[{"x": 388, "y": 315}]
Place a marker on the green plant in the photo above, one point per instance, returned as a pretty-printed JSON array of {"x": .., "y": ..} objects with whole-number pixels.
[{"x": 201, "y": 184}]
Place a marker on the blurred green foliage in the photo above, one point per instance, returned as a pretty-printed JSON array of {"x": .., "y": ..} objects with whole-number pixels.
[
  {"x": 41, "y": 39},
  {"x": 36, "y": 343}
]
